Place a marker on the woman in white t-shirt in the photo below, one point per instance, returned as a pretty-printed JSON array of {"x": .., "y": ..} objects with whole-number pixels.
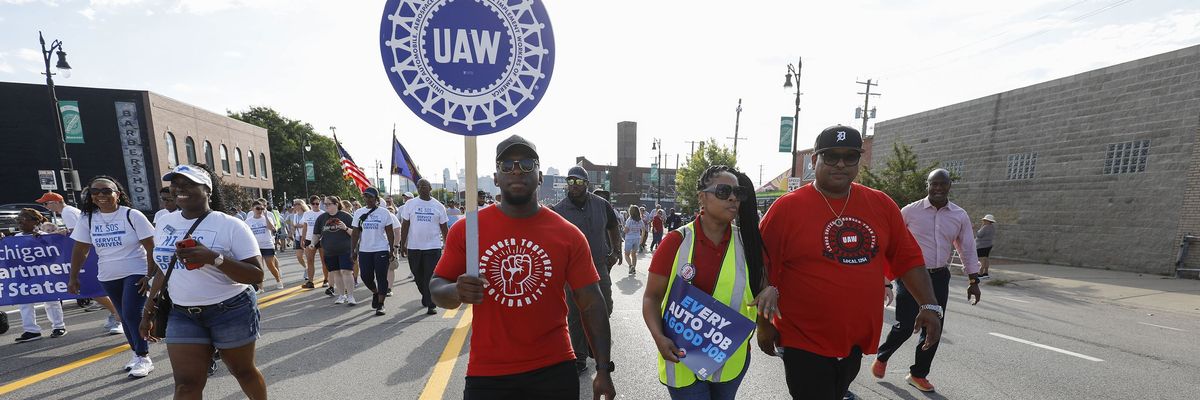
[
  {"x": 635, "y": 228},
  {"x": 122, "y": 238},
  {"x": 214, "y": 304},
  {"x": 263, "y": 226},
  {"x": 310, "y": 251},
  {"x": 374, "y": 244}
]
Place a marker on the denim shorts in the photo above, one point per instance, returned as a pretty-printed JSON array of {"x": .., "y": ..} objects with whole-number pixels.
[{"x": 229, "y": 324}]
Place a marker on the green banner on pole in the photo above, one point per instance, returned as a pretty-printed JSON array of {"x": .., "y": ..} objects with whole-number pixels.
[
  {"x": 786, "y": 129},
  {"x": 72, "y": 126},
  {"x": 654, "y": 173},
  {"x": 310, "y": 173}
]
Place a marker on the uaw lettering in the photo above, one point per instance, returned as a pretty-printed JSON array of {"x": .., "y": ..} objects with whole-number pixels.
[
  {"x": 468, "y": 67},
  {"x": 704, "y": 328},
  {"x": 37, "y": 268}
]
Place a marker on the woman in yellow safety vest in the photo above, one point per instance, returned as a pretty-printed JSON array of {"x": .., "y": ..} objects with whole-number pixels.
[{"x": 718, "y": 258}]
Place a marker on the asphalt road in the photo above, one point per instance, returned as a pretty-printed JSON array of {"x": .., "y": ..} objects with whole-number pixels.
[{"x": 1018, "y": 343}]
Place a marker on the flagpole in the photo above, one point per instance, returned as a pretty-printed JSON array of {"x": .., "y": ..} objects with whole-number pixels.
[{"x": 472, "y": 205}]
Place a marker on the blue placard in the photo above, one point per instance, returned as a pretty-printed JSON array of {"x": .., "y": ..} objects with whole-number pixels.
[
  {"x": 468, "y": 67},
  {"x": 34, "y": 269},
  {"x": 705, "y": 329}
]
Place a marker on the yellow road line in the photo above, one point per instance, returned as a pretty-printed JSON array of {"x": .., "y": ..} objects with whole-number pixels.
[
  {"x": 452, "y": 313},
  {"x": 18, "y": 384},
  {"x": 435, "y": 387}
]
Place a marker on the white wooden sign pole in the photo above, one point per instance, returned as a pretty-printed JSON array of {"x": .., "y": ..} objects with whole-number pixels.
[{"x": 472, "y": 197}]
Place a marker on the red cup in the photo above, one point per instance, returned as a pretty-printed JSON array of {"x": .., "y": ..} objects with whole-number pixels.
[{"x": 186, "y": 243}]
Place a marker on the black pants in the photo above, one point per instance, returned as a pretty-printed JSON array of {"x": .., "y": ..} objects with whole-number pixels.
[
  {"x": 421, "y": 263},
  {"x": 373, "y": 268},
  {"x": 558, "y": 381},
  {"x": 906, "y": 315},
  {"x": 816, "y": 377}
]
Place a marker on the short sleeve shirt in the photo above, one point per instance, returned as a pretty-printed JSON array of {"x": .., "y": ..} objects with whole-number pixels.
[
  {"x": 262, "y": 233},
  {"x": 206, "y": 285},
  {"x": 116, "y": 239},
  {"x": 335, "y": 243},
  {"x": 375, "y": 226},
  {"x": 829, "y": 276},
  {"x": 521, "y": 325},
  {"x": 425, "y": 219}
]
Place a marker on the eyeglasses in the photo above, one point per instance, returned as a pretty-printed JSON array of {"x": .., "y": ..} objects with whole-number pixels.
[
  {"x": 848, "y": 159},
  {"x": 722, "y": 191},
  {"x": 330, "y": 204},
  {"x": 259, "y": 208},
  {"x": 101, "y": 191},
  {"x": 577, "y": 182},
  {"x": 526, "y": 165}
]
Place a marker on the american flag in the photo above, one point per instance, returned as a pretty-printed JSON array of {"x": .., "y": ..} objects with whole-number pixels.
[{"x": 351, "y": 171}]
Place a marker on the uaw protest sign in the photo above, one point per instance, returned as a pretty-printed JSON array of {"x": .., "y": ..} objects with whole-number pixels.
[
  {"x": 705, "y": 329},
  {"x": 34, "y": 269}
]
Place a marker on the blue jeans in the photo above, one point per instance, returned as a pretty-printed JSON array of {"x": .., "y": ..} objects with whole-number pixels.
[
  {"x": 129, "y": 304},
  {"x": 705, "y": 390}
]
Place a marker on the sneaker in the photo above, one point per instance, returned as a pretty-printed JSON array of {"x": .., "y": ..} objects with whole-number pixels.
[
  {"x": 57, "y": 333},
  {"x": 307, "y": 285},
  {"x": 631, "y": 271},
  {"x": 116, "y": 330},
  {"x": 279, "y": 285},
  {"x": 921, "y": 384},
  {"x": 28, "y": 337},
  {"x": 260, "y": 290},
  {"x": 142, "y": 368},
  {"x": 350, "y": 301},
  {"x": 431, "y": 311},
  {"x": 132, "y": 361},
  {"x": 379, "y": 311},
  {"x": 329, "y": 292},
  {"x": 985, "y": 276},
  {"x": 356, "y": 284},
  {"x": 112, "y": 323},
  {"x": 325, "y": 283},
  {"x": 878, "y": 368},
  {"x": 340, "y": 300},
  {"x": 3, "y": 322},
  {"x": 389, "y": 293}
]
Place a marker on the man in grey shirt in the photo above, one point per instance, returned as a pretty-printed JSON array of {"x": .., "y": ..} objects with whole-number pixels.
[
  {"x": 600, "y": 225},
  {"x": 983, "y": 243}
]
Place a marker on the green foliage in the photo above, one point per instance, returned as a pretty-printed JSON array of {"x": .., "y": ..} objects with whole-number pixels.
[
  {"x": 286, "y": 137},
  {"x": 902, "y": 178},
  {"x": 713, "y": 153}
]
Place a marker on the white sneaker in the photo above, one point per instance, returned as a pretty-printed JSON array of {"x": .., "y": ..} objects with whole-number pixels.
[
  {"x": 350, "y": 300},
  {"x": 132, "y": 361},
  {"x": 116, "y": 330},
  {"x": 260, "y": 290},
  {"x": 340, "y": 300},
  {"x": 141, "y": 368},
  {"x": 279, "y": 285}
]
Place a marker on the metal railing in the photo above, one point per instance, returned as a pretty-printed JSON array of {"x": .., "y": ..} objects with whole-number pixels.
[{"x": 1181, "y": 262}]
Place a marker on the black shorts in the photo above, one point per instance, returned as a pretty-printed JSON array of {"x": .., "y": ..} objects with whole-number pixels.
[
  {"x": 339, "y": 263},
  {"x": 267, "y": 252},
  {"x": 301, "y": 244},
  {"x": 558, "y": 381},
  {"x": 983, "y": 252}
]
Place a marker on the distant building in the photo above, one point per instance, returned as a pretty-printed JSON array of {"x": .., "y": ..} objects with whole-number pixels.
[
  {"x": 629, "y": 183},
  {"x": 1099, "y": 169},
  {"x": 134, "y": 136}
]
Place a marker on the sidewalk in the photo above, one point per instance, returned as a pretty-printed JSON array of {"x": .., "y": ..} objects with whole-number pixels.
[{"x": 1125, "y": 288}]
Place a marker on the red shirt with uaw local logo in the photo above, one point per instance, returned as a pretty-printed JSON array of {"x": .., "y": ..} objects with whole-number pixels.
[
  {"x": 521, "y": 325},
  {"x": 830, "y": 277}
]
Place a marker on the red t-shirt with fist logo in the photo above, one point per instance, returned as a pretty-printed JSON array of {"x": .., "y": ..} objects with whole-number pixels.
[{"x": 521, "y": 325}]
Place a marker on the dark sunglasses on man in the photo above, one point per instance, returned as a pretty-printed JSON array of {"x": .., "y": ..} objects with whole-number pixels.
[
  {"x": 526, "y": 165},
  {"x": 722, "y": 191},
  {"x": 576, "y": 182},
  {"x": 848, "y": 159}
]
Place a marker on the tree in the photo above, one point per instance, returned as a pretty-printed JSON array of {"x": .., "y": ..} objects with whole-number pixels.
[
  {"x": 286, "y": 138},
  {"x": 902, "y": 178},
  {"x": 235, "y": 196},
  {"x": 685, "y": 179}
]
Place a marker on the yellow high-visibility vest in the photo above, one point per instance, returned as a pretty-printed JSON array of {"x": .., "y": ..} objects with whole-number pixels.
[{"x": 733, "y": 290}]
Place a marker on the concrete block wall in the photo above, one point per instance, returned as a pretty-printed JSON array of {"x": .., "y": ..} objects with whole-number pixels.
[{"x": 1072, "y": 213}]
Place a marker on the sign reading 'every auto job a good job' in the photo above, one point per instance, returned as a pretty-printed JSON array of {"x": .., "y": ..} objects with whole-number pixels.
[{"x": 468, "y": 67}]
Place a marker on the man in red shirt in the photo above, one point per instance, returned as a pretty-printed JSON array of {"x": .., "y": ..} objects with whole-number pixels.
[
  {"x": 657, "y": 224},
  {"x": 520, "y": 347},
  {"x": 830, "y": 245}
]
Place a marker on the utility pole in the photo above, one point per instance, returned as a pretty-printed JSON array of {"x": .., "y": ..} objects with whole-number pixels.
[
  {"x": 760, "y": 171},
  {"x": 378, "y": 166},
  {"x": 736, "y": 122},
  {"x": 693, "y": 143},
  {"x": 864, "y": 113}
]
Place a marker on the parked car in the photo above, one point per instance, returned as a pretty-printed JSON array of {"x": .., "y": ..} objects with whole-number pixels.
[{"x": 9, "y": 212}]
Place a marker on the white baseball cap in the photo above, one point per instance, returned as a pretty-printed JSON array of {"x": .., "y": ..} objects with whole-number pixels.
[
  {"x": 408, "y": 195},
  {"x": 989, "y": 218},
  {"x": 192, "y": 172}
]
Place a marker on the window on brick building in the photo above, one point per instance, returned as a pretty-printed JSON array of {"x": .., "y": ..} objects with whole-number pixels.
[
  {"x": 1126, "y": 157},
  {"x": 1022, "y": 166}
]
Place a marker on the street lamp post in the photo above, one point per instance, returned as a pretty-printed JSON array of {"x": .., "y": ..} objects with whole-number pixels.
[
  {"x": 67, "y": 166},
  {"x": 656, "y": 144},
  {"x": 304, "y": 158},
  {"x": 787, "y": 84}
]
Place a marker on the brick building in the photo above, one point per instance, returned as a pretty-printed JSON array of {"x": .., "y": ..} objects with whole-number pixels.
[
  {"x": 629, "y": 183},
  {"x": 1099, "y": 169}
]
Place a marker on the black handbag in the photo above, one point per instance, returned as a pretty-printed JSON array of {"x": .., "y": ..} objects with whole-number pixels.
[{"x": 162, "y": 301}]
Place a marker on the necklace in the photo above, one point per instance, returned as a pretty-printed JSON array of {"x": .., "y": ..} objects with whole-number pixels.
[{"x": 838, "y": 220}]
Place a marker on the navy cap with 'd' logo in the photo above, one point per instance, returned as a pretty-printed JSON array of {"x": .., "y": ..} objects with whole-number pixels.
[{"x": 838, "y": 137}]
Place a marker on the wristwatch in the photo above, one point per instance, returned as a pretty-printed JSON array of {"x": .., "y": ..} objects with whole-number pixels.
[
  {"x": 610, "y": 367},
  {"x": 933, "y": 307},
  {"x": 219, "y": 260}
]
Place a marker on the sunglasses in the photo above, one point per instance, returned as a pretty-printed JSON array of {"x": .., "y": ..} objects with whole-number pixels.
[
  {"x": 101, "y": 191},
  {"x": 576, "y": 182},
  {"x": 847, "y": 159},
  {"x": 526, "y": 165},
  {"x": 722, "y": 191},
  {"x": 259, "y": 208}
]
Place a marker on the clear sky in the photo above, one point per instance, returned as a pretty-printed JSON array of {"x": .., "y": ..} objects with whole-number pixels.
[{"x": 677, "y": 68}]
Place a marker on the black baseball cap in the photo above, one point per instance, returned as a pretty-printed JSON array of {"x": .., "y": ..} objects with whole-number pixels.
[
  {"x": 513, "y": 142},
  {"x": 838, "y": 137},
  {"x": 578, "y": 172}
]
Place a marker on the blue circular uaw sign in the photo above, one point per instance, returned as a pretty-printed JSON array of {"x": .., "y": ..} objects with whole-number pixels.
[{"x": 468, "y": 67}]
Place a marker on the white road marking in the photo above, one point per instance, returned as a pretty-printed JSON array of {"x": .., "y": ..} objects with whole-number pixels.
[
  {"x": 1164, "y": 327},
  {"x": 1039, "y": 345},
  {"x": 1012, "y": 299}
]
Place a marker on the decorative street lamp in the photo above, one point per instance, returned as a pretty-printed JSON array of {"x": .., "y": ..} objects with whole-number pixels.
[
  {"x": 787, "y": 84},
  {"x": 656, "y": 144},
  {"x": 304, "y": 158},
  {"x": 65, "y": 69}
]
